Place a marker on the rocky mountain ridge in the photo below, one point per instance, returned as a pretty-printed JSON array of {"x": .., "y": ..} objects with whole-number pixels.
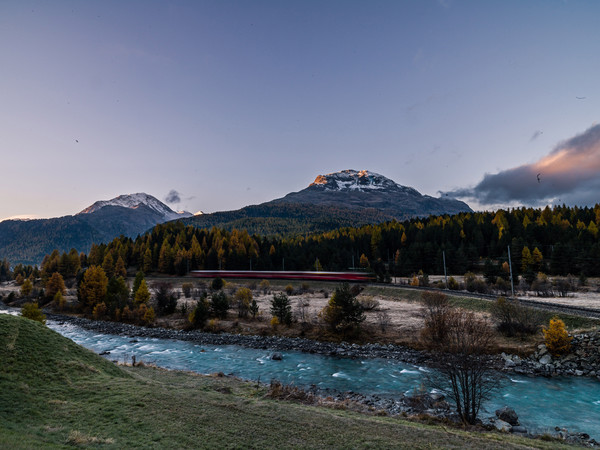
[{"x": 364, "y": 189}]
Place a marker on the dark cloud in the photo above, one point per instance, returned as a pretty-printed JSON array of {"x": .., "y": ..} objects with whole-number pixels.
[
  {"x": 173, "y": 197},
  {"x": 571, "y": 173}
]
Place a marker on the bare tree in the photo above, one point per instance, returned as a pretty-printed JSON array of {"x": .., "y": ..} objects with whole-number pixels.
[{"x": 463, "y": 363}]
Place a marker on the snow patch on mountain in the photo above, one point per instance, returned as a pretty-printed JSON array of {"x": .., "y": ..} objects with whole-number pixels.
[
  {"x": 134, "y": 201},
  {"x": 362, "y": 181}
]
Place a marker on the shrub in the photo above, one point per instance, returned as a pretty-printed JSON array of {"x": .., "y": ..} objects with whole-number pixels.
[
  {"x": 99, "y": 311},
  {"x": 217, "y": 284},
  {"x": 187, "y": 289},
  {"x": 281, "y": 308},
  {"x": 343, "y": 311},
  {"x": 274, "y": 322},
  {"x": 556, "y": 338},
  {"x": 199, "y": 315},
  {"x": 453, "y": 284},
  {"x": 470, "y": 279},
  {"x": 437, "y": 314},
  {"x": 563, "y": 286},
  {"x": 32, "y": 311},
  {"x": 60, "y": 301},
  {"x": 219, "y": 304},
  {"x": 26, "y": 288},
  {"x": 243, "y": 298},
  {"x": 368, "y": 303},
  {"x": 289, "y": 289},
  {"x": 213, "y": 325},
  {"x": 264, "y": 286},
  {"x": 166, "y": 300},
  {"x": 254, "y": 308},
  {"x": 149, "y": 315},
  {"x": 423, "y": 279},
  {"x": 542, "y": 286},
  {"x": 514, "y": 318}
]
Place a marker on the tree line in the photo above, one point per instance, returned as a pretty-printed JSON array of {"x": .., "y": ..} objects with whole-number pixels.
[{"x": 560, "y": 240}]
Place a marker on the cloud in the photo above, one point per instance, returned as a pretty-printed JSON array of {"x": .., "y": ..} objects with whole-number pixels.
[
  {"x": 569, "y": 174},
  {"x": 173, "y": 197}
]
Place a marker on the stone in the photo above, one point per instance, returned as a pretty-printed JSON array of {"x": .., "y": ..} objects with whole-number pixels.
[
  {"x": 546, "y": 359},
  {"x": 508, "y": 415},
  {"x": 276, "y": 356},
  {"x": 518, "y": 429},
  {"x": 503, "y": 426},
  {"x": 578, "y": 373}
]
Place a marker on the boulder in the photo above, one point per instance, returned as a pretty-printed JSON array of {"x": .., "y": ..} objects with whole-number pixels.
[
  {"x": 276, "y": 356},
  {"x": 507, "y": 414},
  {"x": 503, "y": 426},
  {"x": 546, "y": 359}
]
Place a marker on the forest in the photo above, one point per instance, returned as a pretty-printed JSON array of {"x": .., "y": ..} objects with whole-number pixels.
[{"x": 560, "y": 240}]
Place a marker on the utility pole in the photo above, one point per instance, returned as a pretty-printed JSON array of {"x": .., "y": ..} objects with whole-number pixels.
[
  {"x": 512, "y": 284},
  {"x": 445, "y": 274},
  {"x": 283, "y": 264},
  {"x": 352, "y": 261},
  {"x": 250, "y": 264}
]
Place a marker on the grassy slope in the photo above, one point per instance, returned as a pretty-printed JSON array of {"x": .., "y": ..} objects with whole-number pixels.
[{"x": 55, "y": 394}]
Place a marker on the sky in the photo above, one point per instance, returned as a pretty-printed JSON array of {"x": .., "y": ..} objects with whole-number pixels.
[{"x": 215, "y": 105}]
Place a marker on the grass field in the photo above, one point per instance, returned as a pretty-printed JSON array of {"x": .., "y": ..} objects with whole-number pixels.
[{"x": 56, "y": 394}]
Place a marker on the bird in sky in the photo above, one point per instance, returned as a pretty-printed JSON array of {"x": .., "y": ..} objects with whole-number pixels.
[
  {"x": 76, "y": 141},
  {"x": 538, "y": 177},
  {"x": 580, "y": 98}
]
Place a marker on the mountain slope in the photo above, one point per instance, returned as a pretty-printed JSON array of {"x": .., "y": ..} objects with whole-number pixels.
[
  {"x": 366, "y": 189},
  {"x": 340, "y": 199},
  {"x": 28, "y": 241}
]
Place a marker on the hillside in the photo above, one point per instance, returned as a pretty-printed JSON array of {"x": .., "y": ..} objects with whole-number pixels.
[
  {"x": 280, "y": 219},
  {"x": 28, "y": 241},
  {"x": 55, "y": 394}
]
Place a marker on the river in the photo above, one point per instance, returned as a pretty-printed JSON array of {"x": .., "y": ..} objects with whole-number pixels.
[{"x": 541, "y": 403}]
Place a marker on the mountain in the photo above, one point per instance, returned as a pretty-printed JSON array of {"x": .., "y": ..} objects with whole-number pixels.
[
  {"x": 365, "y": 189},
  {"x": 135, "y": 201},
  {"x": 28, "y": 241},
  {"x": 340, "y": 199}
]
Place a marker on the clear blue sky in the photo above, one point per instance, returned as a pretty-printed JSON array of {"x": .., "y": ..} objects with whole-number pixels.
[{"x": 232, "y": 103}]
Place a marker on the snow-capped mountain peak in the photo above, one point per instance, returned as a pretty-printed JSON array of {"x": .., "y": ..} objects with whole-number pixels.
[
  {"x": 363, "y": 181},
  {"x": 134, "y": 201}
]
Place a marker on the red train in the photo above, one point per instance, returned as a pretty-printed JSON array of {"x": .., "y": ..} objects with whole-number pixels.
[{"x": 285, "y": 275}]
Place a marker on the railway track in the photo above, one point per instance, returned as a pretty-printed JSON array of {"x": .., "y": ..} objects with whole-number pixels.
[{"x": 547, "y": 306}]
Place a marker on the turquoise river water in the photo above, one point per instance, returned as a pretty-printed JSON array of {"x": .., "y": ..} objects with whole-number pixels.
[{"x": 541, "y": 403}]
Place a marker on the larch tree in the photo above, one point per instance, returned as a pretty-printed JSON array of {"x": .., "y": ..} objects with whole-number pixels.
[{"x": 92, "y": 289}]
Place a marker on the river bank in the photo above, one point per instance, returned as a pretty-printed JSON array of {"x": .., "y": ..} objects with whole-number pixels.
[{"x": 418, "y": 404}]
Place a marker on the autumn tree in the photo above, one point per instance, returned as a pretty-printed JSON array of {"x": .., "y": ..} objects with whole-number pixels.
[
  {"x": 55, "y": 284},
  {"x": 26, "y": 288},
  {"x": 92, "y": 289},
  {"x": 556, "y": 337},
  {"x": 243, "y": 298},
  {"x": 120, "y": 268},
  {"x": 32, "y": 311},
  {"x": 142, "y": 295}
]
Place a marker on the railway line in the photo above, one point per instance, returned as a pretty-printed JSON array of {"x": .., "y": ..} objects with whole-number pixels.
[{"x": 547, "y": 306}]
